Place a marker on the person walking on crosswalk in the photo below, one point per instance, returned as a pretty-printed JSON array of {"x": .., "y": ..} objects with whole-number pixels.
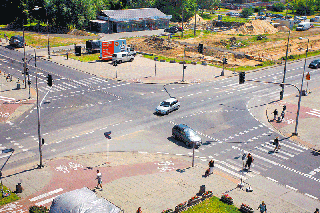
[
  {"x": 263, "y": 207},
  {"x": 276, "y": 143},
  {"x": 244, "y": 156},
  {"x": 249, "y": 161}
]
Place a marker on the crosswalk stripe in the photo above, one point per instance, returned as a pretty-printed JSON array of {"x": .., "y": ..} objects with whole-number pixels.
[
  {"x": 230, "y": 172},
  {"x": 46, "y": 194},
  {"x": 238, "y": 169},
  {"x": 286, "y": 145},
  {"x": 267, "y": 151},
  {"x": 310, "y": 113},
  {"x": 279, "y": 151},
  {"x": 45, "y": 201}
]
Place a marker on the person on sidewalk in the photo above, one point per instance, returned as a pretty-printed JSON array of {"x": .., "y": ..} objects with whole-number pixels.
[
  {"x": 99, "y": 178},
  {"x": 284, "y": 108},
  {"x": 249, "y": 161},
  {"x": 211, "y": 165},
  {"x": 317, "y": 210},
  {"x": 262, "y": 207},
  {"x": 276, "y": 143},
  {"x": 139, "y": 210},
  {"x": 282, "y": 115},
  {"x": 244, "y": 156},
  {"x": 275, "y": 113}
]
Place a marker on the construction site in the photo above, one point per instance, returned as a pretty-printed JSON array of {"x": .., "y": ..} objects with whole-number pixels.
[{"x": 243, "y": 44}]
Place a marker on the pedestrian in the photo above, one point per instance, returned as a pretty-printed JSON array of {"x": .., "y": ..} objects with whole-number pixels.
[
  {"x": 211, "y": 165},
  {"x": 276, "y": 143},
  {"x": 275, "y": 113},
  {"x": 317, "y": 210},
  {"x": 284, "y": 108},
  {"x": 249, "y": 161},
  {"x": 282, "y": 115},
  {"x": 262, "y": 207},
  {"x": 139, "y": 210},
  {"x": 99, "y": 178},
  {"x": 244, "y": 156}
]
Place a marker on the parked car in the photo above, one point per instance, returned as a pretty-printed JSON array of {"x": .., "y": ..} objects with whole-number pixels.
[
  {"x": 315, "y": 64},
  {"x": 172, "y": 29},
  {"x": 229, "y": 14},
  {"x": 16, "y": 41},
  {"x": 279, "y": 16},
  {"x": 261, "y": 13},
  {"x": 304, "y": 17},
  {"x": 122, "y": 57},
  {"x": 168, "y": 106},
  {"x": 268, "y": 14},
  {"x": 187, "y": 135},
  {"x": 262, "y": 17},
  {"x": 303, "y": 26},
  {"x": 312, "y": 20},
  {"x": 288, "y": 17}
]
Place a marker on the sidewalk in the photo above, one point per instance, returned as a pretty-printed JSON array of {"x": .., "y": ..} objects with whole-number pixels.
[
  {"x": 309, "y": 118},
  {"x": 14, "y": 102},
  {"x": 153, "y": 181}
]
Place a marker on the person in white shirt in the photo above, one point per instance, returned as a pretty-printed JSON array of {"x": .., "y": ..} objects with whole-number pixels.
[{"x": 99, "y": 178}]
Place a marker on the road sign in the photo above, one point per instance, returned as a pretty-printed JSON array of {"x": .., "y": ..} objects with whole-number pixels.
[
  {"x": 107, "y": 134},
  {"x": 308, "y": 76}
]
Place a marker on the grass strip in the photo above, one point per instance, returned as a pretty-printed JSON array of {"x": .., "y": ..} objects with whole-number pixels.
[{"x": 5, "y": 200}]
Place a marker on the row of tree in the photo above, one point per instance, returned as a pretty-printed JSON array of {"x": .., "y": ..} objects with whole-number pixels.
[{"x": 78, "y": 13}]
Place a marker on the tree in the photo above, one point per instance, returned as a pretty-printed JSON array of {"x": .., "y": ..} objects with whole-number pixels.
[
  {"x": 305, "y": 7},
  {"x": 174, "y": 8},
  {"x": 278, "y": 7},
  {"x": 246, "y": 12}
]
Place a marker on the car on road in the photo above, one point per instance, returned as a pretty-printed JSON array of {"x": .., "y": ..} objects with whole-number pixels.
[
  {"x": 187, "y": 135},
  {"x": 168, "y": 106},
  {"x": 172, "y": 29},
  {"x": 315, "y": 64},
  {"x": 261, "y": 17},
  {"x": 16, "y": 41}
]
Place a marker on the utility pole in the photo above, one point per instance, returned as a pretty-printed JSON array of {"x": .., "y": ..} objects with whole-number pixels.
[
  {"x": 285, "y": 70},
  {"x": 182, "y": 20},
  {"x": 24, "y": 59},
  {"x": 195, "y": 22},
  {"x": 38, "y": 112},
  {"x": 48, "y": 34}
]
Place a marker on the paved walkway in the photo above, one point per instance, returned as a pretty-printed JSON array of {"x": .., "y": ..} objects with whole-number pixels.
[{"x": 153, "y": 181}]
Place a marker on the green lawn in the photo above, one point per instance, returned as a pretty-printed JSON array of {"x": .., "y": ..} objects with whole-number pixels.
[
  {"x": 11, "y": 198},
  {"x": 234, "y": 19},
  {"x": 213, "y": 205},
  {"x": 40, "y": 41},
  {"x": 85, "y": 57}
]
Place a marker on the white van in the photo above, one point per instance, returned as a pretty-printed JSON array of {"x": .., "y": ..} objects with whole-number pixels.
[
  {"x": 122, "y": 57},
  {"x": 303, "y": 26}
]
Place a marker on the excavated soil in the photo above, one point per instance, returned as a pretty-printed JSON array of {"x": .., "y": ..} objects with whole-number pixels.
[{"x": 239, "y": 45}]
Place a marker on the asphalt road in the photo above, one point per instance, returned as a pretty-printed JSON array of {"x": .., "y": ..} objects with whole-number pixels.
[{"x": 80, "y": 107}]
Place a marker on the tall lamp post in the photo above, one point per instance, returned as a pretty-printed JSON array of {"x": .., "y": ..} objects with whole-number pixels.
[
  {"x": 300, "y": 94},
  {"x": 37, "y": 8},
  {"x": 285, "y": 70}
]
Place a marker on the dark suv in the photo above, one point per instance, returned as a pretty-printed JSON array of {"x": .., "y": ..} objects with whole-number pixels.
[
  {"x": 187, "y": 135},
  {"x": 16, "y": 41},
  {"x": 172, "y": 29}
]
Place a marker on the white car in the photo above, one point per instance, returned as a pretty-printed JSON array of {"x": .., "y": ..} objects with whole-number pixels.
[{"x": 168, "y": 106}]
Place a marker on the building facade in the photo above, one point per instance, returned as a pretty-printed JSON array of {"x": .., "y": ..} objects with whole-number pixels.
[{"x": 116, "y": 21}]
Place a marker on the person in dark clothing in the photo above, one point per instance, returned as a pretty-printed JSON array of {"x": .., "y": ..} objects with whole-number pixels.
[
  {"x": 249, "y": 161},
  {"x": 262, "y": 207},
  {"x": 275, "y": 113},
  {"x": 317, "y": 210},
  {"x": 284, "y": 108},
  {"x": 211, "y": 165},
  {"x": 277, "y": 145}
]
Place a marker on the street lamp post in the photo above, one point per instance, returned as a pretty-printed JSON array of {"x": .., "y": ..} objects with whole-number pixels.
[
  {"x": 37, "y": 8},
  {"x": 285, "y": 70},
  {"x": 24, "y": 59},
  {"x": 300, "y": 94}
]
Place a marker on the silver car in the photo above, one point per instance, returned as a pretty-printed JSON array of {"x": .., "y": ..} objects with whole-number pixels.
[
  {"x": 187, "y": 135},
  {"x": 168, "y": 106}
]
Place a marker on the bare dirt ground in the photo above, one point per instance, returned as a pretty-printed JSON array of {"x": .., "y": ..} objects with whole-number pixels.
[{"x": 239, "y": 45}]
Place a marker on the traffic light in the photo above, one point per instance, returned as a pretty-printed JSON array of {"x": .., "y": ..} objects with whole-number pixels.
[
  {"x": 308, "y": 76},
  {"x": 184, "y": 66},
  {"x": 42, "y": 141},
  {"x": 29, "y": 82},
  {"x": 242, "y": 77},
  {"x": 49, "y": 80},
  {"x": 200, "y": 48},
  {"x": 224, "y": 60}
]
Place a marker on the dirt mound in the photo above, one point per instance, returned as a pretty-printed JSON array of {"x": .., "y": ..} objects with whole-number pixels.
[
  {"x": 79, "y": 33},
  {"x": 257, "y": 27},
  {"x": 199, "y": 19},
  {"x": 283, "y": 29}
]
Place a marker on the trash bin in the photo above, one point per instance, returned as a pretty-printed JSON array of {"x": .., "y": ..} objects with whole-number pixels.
[
  {"x": 202, "y": 189},
  {"x": 77, "y": 50},
  {"x": 18, "y": 85},
  {"x": 18, "y": 188}
]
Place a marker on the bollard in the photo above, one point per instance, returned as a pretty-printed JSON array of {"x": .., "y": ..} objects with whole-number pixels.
[
  {"x": 202, "y": 189},
  {"x": 18, "y": 188}
]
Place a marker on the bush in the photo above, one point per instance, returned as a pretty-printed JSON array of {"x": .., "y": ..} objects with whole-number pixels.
[
  {"x": 278, "y": 7},
  {"x": 38, "y": 209},
  {"x": 246, "y": 12}
]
